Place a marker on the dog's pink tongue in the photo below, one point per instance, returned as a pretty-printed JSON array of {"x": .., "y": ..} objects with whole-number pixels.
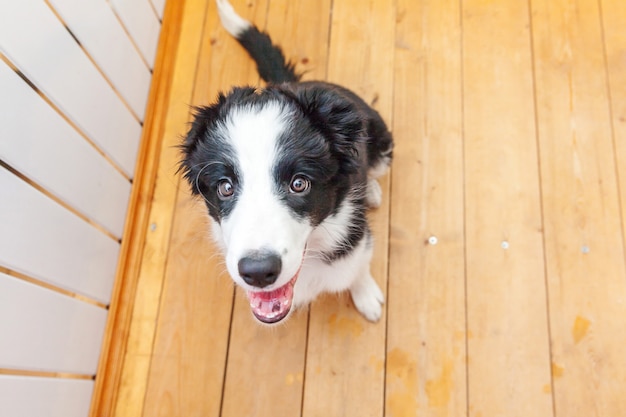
[{"x": 272, "y": 306}]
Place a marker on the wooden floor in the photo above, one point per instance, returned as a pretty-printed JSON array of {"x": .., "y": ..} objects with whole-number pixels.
[{"x": 500, "y": 242}]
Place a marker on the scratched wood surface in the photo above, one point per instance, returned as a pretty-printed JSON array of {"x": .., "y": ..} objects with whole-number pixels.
[{"x": 499, "y": 244}]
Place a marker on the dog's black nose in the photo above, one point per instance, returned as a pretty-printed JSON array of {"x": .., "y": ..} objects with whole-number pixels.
[{"x": 260, "y": 269}]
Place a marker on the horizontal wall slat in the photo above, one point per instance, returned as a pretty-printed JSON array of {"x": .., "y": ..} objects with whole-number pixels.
[
  {"x": 54, "y": 155},
  {"x": 53, "y": 333},
  {"x": 101, "y": 34},
  {"x": 43, "y": 240},
  {"x": 38, "y": 44},
  {"x": 142, "y": 24},
  {"x": 38, "y": 397}
]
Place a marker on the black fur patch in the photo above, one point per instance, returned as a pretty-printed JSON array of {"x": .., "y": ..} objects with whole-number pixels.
[
  {"x": 271, "y": 63},
  {"x": 208, "y": 158}
]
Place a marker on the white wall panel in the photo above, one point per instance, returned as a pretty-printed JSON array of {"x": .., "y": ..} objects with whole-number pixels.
[
  {"x": 69, "y": 331},
  {"x": 159, "y": 6},
  {"x": 102, "y": 35},
  {"x": 42, "y": 239},
  {"x": 142, "y": 24},
  {"x": 41, "y": 145},
  {"x": 85, "y": 84},
  {"x": 44, "y": 397},
  {"x": 34, "y": 39}
]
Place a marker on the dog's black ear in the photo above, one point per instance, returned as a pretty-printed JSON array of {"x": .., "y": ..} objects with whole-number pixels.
[
  {"x": 338, "y": 118},
  {"x": 204, "y": 117}
]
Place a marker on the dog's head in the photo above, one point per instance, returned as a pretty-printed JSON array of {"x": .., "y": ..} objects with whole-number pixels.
[{"x": 271, "y": 165}]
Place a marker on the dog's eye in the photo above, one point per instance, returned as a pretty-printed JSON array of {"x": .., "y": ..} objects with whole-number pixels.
[
  {"x": 299, "y": 184},
  {"x": 225, "y": 189}
]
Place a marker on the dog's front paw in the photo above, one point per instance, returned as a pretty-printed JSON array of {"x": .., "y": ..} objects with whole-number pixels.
[{"x": 368, "y": 298}]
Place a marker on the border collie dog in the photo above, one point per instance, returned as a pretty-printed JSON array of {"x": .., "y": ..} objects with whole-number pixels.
[{"x": 287, "y": 173}]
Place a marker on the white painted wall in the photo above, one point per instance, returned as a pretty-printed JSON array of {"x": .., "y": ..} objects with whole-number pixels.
[{"x": 74, "y": 81}]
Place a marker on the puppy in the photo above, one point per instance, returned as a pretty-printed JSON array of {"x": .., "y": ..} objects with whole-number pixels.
[{"x": 287, "y": 173}]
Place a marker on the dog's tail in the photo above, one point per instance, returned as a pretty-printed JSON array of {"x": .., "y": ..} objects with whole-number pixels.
[{"x": 269, "y": 58}]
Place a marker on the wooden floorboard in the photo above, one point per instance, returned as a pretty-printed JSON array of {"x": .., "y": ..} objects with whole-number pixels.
[
  {"x": 426, "y": 336},
  {"x": 499, "y": 244},
  {"x": 338, "y": 335},
  {"x": 614, "y": 37},
  {"x": 138, "y": 358},
  {"x": 509, "y": 361},
  {"x": 584, "y": 250}
]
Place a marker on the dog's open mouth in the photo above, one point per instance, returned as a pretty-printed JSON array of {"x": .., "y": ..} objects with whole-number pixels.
[{"x": 272, "y": 306}]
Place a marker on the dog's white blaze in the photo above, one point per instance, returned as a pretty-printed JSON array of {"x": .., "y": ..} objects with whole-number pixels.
[{"x": 260, "y": 220}]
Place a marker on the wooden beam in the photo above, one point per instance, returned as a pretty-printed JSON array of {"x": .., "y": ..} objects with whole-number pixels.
[{"x": 110, "y": 367}]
